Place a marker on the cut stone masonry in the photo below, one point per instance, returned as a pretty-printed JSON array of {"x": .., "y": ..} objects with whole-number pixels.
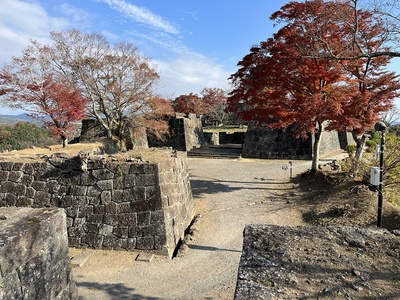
[{"x": 111, "y": 202}]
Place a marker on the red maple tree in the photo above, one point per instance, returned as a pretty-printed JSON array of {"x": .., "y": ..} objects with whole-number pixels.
[
  {"x": 215, "y": 104},
  {"x": 189, "y": 104},
  {"x": 289, "y": 81},
  {"x": 155, "y": 117},
  {"x": 50, "y": 99}
]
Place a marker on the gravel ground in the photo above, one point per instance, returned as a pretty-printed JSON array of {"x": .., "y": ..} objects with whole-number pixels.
[{"x": 228, "y": 194}]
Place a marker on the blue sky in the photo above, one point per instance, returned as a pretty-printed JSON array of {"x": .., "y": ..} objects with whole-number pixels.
[{"x": 195, "y": 44}]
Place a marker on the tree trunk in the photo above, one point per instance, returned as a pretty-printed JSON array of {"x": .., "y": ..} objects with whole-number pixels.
[
  {"x": 360, "y": 143},
  {"x": 317, "y": 140},
  {"x": 64, "y": 142},
  {"x": 109, "y": 133}
]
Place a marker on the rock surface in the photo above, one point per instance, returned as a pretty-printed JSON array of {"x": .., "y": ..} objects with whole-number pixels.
[{"x": 309, "y": 262}]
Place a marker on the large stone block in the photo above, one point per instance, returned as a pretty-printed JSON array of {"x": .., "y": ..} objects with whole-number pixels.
[
  {"x": 34, "y": 255},
  {"x": 127, "y": 193}
]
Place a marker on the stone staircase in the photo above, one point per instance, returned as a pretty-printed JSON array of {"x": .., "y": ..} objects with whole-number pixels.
[{"x": 221, "y": 151}]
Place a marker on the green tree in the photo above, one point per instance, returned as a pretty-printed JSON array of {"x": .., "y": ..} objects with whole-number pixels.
[{"x": 24, "y": 135}]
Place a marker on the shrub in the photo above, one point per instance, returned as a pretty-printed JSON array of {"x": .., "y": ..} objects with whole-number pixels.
[
  {"x": 350, "y": 149},
  {"x": 24, "y": 135}
]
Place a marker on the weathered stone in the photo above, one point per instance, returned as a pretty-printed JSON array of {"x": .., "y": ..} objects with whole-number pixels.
[
  {"x": 94, "y": 164},
  {"x": 153, "y": 230},
  {"x": 18, "y": 166},
  {"x": 79, "y": 222},
  {"x": 118, "y": 182},
  {"x": 19, "y": 190},
  {"x": 86, "y": 210},
  {"x": 127, "y": 219},
  {"x": 78, "y": 190},
  {"x": 24, "y": 202},
  {"x": 130, "y": 244},
  {"x": 111, "y": 219},
  {"x": 4, "y": 175},
  {"x": 95, "y": 218},
  {"x": 105, "y": 184},
  {"x": 145, "y": 243},
  {"x": 39, "y": 185},
  {"x": 157, "y": 217},
  {"x": 103, "y": 174},
  {"x": 30, "y": 192},
  {"x": 105, "y": 197},
  {"x": 121, "y": 232},
  {"x": 10, "y": 199},
  {"x": 151, "y": 193},
  {"x": 129, "y": 180},
  {"x": 93, "y": 191},
  {"x": 35, "y": 263},
  {"x": 28, "y": 169},
  {"x": 117, "y": 196},
  {"x": 140, "y": 193},
  {"x": 143, "y": 218},
  {"x": 129, "y": 195},
  {"x": 124, "y": 207},
  {"x": 134, "y": 231},
  {"x": 7, "y": 187},
  {"x": 27, "y": 179},
  {"x": 93, "y": 200},
  {"x": 146, "y": 179},
  {"x": 111, "y": 208},
  {"x": 109, "y": 242},
  {"x": 138, "y": 208},
  {"x": 99, "y": 209},
  {"x": 93, "y": 240},
  {"x": 6, "y": 165},
  {"x": 92, "y": 228},
  {"x": 87, "y": 179}
]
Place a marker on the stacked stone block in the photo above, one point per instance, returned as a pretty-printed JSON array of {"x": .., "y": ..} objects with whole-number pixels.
[
  {"x": 119, "y": 203},
  {"x": 34, "y": 261}
]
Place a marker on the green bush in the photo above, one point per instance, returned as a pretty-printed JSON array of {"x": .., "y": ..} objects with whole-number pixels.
[
  {"x": 350, "y": 149},
  {"x": 24, "y": 135}
]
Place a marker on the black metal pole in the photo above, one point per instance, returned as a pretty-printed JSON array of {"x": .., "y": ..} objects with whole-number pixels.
[{"x": 380, "y": 188}]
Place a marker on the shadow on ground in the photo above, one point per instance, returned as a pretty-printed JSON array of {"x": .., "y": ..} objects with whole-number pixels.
[
  {"x": 216, "y": 186},
  {"x": 114, "y": 290}
]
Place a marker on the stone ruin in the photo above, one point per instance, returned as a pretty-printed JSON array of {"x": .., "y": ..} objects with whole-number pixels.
[
  {"x": 314, "y": 262},
  {"x": 185, "y": 134},
  {"x": 277, "y": 144},
  {"x": 34, "y": 261},
  {"x": 128, "y": 201}
]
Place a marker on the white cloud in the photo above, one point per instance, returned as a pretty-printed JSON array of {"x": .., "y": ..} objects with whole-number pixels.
[
  {"x": 76, "y": 15},
  {"x": 186, "y": 75},
  {"x": 142, "y": 15},
  {"x": 22, "y": 21}
]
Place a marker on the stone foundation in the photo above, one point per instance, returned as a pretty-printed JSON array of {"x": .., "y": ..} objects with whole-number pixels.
[
  {"x": 132, "y": 201},
  {"x": 277, "y": 144},
  {"x": 34, "y": 261}
]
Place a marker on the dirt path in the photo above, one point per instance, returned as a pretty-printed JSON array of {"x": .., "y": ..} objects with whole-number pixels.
[{"x": 228, "y": 194}]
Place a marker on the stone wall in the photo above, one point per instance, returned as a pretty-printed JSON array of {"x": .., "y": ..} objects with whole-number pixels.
[
  {"x": 267, "y": 143},
  {"x": 127, "y": 201},
  {"x": 34, "y": 255},
  {"x": 134, "y": 137},
  {"x": 187, "y": 132}
]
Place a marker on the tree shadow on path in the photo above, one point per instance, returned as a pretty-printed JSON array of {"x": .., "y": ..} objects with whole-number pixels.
[
  {"x": 114, "y": 291},
  {"x": 215, "y": 186}
]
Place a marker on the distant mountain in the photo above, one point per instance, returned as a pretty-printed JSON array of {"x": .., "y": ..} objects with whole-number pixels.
[{"x": 12, "y": 119}]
